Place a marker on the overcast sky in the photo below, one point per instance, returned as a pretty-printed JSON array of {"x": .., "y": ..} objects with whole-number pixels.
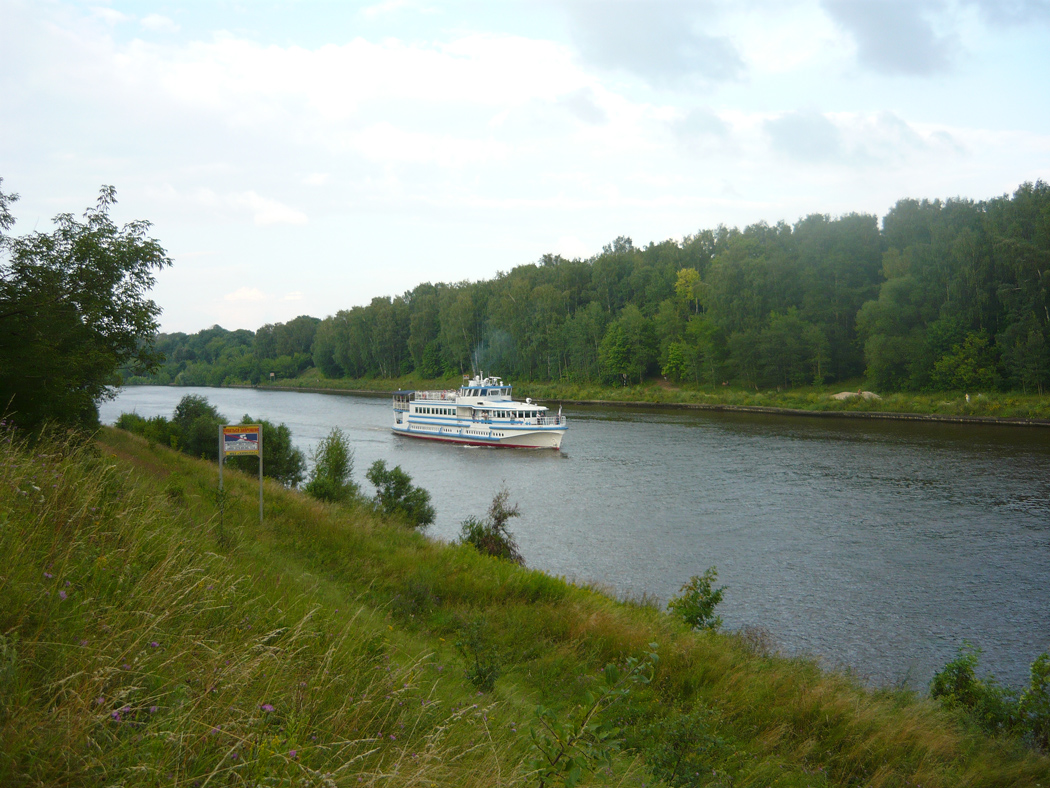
[{"x": 305, "y": 157}]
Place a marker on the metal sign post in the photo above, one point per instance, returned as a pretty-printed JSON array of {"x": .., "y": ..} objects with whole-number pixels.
[{"x": 242, "y": 439}]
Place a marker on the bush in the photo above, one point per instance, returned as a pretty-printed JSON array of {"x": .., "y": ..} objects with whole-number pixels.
[
  {"x": 992, "y": 707},
  {"x": 696, "y": 601},
  {"x": 396, "y": 496},
  {"x": 1034, "y": 707},
  {"x": 194, "y": 429},
  {"x": 330, "y": 478},
  {"x": 491, "y": 536}
]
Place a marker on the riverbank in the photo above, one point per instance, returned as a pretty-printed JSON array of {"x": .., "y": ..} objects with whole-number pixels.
[
  {"x": 997, "y": 408},
  {"x": 160, "y": 640}
]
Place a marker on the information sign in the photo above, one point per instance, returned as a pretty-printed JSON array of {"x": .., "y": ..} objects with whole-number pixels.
[{"x": 241, "y": 439}]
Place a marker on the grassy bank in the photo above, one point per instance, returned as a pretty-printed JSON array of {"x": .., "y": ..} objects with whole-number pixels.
[
  {"x": 1003, "y": 405},
  {"x": 148, "y": 640}
]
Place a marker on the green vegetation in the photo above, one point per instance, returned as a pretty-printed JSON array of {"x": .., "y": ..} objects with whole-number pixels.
[
  {"x": 993, "y": 708},
  {"x": 73, "y": 313},
  {"x": 397, "y": 497},
  {"x": 331, "y": 478},
  {"x": 697, "y": 599},
  {"x": 491, "y": 536},
  {"x": 141, "y": 645},
  {"x": 194, "y": 429},
  {"x": 947, "y": 296}
]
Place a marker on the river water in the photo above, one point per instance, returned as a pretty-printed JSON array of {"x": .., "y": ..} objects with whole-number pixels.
[{"x": 876, "y": 546}]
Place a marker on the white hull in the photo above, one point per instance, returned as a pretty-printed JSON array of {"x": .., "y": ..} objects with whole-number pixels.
[{"x": 475, "y": 436}]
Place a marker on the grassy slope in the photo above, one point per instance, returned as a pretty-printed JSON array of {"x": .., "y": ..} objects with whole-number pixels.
[
  {"x": 814, "y": 399},
  {"x": 144, "y": 643}
]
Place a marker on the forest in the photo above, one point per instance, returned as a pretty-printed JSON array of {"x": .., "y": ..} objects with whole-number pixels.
[{"x": 941, "y": 295}]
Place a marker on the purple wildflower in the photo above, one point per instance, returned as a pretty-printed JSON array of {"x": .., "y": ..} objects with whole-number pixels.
[
  {"x": 48, "y": 575},
  {"x": 153, "y": 709},
  {"x": 116, "y": 715},
  {"x": 154, "y": 644},
  {"x": 292, "y": 754},
  {"x": 61, "y": 594},
  {"x": 266, "y": 707}
]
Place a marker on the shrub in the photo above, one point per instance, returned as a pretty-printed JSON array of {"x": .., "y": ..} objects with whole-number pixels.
[
  {"x": 491, "y": 536},
  {"x": 330, "y": 478},
  {"x": 396, "y": 495},
  {"x": 483, "y": 660},
  {"x": 1034, "y": 707},
  {"x": 194, "y": 429},
  {"x": 992, "y": 707},
  {"x": 696, "y": 601}
]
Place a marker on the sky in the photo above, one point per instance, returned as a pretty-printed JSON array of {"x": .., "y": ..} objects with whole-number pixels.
[{"x": 303, "y": 157}]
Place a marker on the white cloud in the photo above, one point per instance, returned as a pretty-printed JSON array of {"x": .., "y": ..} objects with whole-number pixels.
[
  {"x": 265, "y": 211},
  {"x": 110, "y": 16},
  {"x": 389, "y": 7},
  {"x": 246, "y": 294},
  {"x": 295, "y": 295},
  {"x": 896, "y": 37},
  {"x": 159, "y": 24}
]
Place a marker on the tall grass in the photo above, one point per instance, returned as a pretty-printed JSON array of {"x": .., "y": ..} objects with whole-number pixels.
[
  {"x": 136, "y": 654},
  {"x": 319, "y": 649}
]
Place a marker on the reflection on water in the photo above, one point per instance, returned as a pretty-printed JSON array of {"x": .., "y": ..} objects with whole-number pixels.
[{"x": 877, "y": 545}]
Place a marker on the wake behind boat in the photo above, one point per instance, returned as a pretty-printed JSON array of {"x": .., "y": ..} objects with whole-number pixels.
[{"x": 481, "y": 413}]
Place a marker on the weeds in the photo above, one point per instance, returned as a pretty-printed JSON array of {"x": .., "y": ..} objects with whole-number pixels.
[
  {"x": 571, "y": 747},
  {"x": 482, "y": 657}
]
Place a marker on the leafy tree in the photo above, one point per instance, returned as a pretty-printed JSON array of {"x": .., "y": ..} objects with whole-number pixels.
[
  {"x": 675, "y": 365},
  {"x": 396, "y": 495},
  {"x": 491, "y": 535},
  {"x": 696, "y": 601},
  {"x": 967, "y": 367},
  {"x": 195, "y": 427},
  {"x": 615, "y": 353},
  {"x": 73, "y": 312},
  {"x": 330, "y": 478}
]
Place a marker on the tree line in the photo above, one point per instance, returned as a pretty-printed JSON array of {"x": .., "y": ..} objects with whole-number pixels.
[{"x": 941, "y": 295}]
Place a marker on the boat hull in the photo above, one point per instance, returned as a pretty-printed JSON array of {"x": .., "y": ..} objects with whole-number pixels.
[{"x": 523, "y": 439}]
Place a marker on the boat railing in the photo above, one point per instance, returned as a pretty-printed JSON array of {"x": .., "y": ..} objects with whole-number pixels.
[
  {"x": 551, "y": 421},
  {"x": 436, "y": 396}
]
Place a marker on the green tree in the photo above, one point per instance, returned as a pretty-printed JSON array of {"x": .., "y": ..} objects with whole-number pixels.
[
  {"x": 491, "y": 535},
  {"x": 675, "y": 366},
  {"x": 969, "y": 366},
  {"x": 73, "y": 312},
  {"x": 331, "y": 476},
  {"x": 697, "y": 600},
  {"x": 398, "y": 497},
  {"x": 195, "y": 427}
]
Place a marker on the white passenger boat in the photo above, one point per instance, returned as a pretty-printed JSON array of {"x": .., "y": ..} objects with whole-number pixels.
[{"x": 481, "y": 413}]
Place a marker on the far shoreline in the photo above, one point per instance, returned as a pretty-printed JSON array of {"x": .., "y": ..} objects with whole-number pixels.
[{"x": 770, "y": 410}]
